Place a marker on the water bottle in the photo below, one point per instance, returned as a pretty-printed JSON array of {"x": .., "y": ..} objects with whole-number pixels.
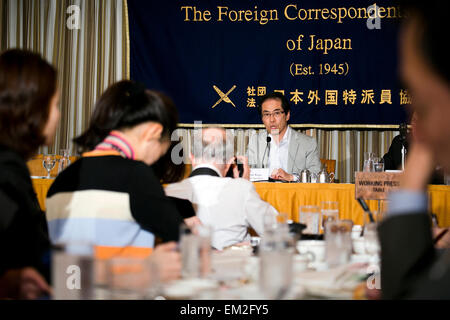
[{"x": 64, "y": 162}]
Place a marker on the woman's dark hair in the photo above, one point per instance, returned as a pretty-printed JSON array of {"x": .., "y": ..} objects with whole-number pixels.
[
  {"x": 27, "y": 85},
  {"x": 277, "y": 96},
  {"x": 124, "y": 105},
  {"x": 166, "y": 170},
  {"x": 433, "y": 18}
]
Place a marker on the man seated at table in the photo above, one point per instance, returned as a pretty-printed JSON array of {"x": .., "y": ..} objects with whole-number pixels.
[
  {"x": 283, "y": 150},
  {"x": 228, "y": 205},
  {"x": 393, "y": 158}
]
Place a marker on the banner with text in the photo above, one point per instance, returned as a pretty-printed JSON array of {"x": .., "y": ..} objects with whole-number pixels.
[{"x": 335, "y": 61}]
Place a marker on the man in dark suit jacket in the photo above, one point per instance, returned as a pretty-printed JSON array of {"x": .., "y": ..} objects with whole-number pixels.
[
  {"x": 393, "y": 158},
  {"x": 410, "y": 266}
]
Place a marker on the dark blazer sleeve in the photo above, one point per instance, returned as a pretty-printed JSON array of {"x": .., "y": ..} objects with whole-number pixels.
[
  {"x": 151, "y": 208},
  {"x": 408, "y": 258}
]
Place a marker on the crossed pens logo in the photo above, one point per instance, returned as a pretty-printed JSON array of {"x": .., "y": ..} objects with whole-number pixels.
[{"x": 223, "y": 96}]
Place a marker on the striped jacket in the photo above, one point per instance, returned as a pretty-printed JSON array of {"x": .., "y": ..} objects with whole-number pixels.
[{"x": 114, "y": 203}]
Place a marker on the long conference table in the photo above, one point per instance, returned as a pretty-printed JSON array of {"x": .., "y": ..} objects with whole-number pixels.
[{"x": 288, "y": 197}]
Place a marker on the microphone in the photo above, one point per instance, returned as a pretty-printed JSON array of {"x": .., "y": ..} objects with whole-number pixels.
[
  {"x": 267, "y": 147},
  {"x": 366, "y": 209}
]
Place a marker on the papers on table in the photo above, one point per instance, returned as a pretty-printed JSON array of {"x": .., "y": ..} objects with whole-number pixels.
[{"x": 259, "y": 174}]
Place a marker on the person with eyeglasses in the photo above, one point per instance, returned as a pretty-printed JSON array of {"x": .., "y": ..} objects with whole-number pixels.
[{"x": 283, "y": 150}]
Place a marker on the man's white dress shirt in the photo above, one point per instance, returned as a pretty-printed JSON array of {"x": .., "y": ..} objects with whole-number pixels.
[
  {"x": 279, "y": 152},
  {"x": 228, "y": 205}
]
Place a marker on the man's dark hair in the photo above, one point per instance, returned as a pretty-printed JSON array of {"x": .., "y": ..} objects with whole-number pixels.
[
  {"x": 433, "y": 18},
  {"x": 124, "y": 105},
  {"x": 277, "y": 96},
  {"x": 27, "y": 85}
]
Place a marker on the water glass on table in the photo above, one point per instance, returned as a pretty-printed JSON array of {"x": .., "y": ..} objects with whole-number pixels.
[
  {"x": 195, "y": 248},
  {"x": 73, "y": 271},
  {"x": 131, "y": 278},
  {"x": 378, "y": 165},
  {"x": 368, "y": 162},
  {"x": 338, "y": 242},
  {"x": 329, "y": 211},
  {"x": 371, "y": 241},
  {"x": 310, "y": 216},
  {"x": 49, "y": 162},
  {"x": 276, "y": 264},
  {"x": 64, "y": 161}
]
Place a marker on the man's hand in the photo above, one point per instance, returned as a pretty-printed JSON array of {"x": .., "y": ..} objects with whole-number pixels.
[
  {"x": 246, "y": 173},
  {"x": 280, "y": 174},
  {"x": 418, "y": 168},
  {"x": 25, "y": 283},
  {"x": 167, "y": 261},
  {"x": 192, "y": 222}
]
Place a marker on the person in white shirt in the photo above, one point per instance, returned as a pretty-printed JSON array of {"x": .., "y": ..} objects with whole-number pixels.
[
  {"x": 228, "y": 205},
  {"x": 283, "y": 150}
]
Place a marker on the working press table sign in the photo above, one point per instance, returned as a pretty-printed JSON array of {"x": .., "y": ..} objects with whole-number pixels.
[
  {"x": 335, "y": 61},
  {"x": 376, "y": 185}
]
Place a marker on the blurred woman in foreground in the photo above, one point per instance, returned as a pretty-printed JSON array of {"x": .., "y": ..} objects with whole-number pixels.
[
  {"x": 111, "y": 198},
  {"x": 29, "y": 116}
]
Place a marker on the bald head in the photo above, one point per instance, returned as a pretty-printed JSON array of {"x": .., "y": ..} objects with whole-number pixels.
[
  {"x": 213, "y": 146},
  {"x": 214, "y": 135}
]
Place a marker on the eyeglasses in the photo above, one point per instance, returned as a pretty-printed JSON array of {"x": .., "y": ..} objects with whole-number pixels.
[{"x": 277, "y": 114}]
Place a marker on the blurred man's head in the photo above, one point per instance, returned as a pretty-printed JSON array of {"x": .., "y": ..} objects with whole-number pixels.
[
  {"x": 213, "y": 146},
  {"x": 425, "y": 68}
]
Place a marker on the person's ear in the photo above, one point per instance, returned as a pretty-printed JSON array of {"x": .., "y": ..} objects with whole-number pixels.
[
  {"x": 152, "y": 130},
  {"x": 288, "y": 116}
]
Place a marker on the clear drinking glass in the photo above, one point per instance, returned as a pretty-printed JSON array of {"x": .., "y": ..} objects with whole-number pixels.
[
  {"x": 73, "y": 271},
  {"x": 371, "y": 241},
  {"x": 338, "y": 242},
  {"x": 130, "y": 278},
  {"x": 276, "y": 264},
  {"x": 64, "y": 162},
  {"x": 369, "y": 155},
  {"x": 195, "y": 247},
  {"x": 368, "y": 166},
  {"x": 330, "y": 211},
  {"x": 368, "y": 161},
  {"x": 49, "y": 162},
  {"x": 310, "y": 216},
  {"x": 378, "y": 167}
]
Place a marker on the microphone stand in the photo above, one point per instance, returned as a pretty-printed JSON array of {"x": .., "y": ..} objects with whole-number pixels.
[
  {"x": 267, "y": 147},
  {"x": 403, "y": 129}
]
